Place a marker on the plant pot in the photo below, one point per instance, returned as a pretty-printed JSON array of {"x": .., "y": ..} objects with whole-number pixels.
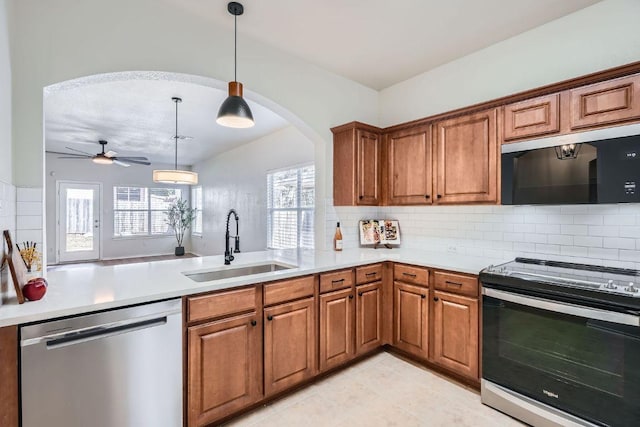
[{"x": 179, "y": 250}]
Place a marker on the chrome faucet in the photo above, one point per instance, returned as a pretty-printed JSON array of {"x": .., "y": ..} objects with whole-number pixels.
[{"x": 228, "y": 256}]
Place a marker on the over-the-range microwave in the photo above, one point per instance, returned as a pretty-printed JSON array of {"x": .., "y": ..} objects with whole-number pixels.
[{"x": 600, "y": 166}]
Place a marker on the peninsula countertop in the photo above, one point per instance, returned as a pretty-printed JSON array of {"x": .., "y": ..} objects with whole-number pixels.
[{"x": 88, "y": 289}]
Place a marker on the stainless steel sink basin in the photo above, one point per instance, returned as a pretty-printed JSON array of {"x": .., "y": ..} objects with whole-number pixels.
[{"x": 206, "y": 276}]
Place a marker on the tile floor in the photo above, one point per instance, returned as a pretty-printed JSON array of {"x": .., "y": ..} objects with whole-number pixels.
[{"x": 383, "y": 390}]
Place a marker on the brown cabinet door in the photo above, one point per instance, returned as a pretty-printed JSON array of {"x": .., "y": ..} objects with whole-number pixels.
[
  {"x": 455, "y": 333},
  {"x": 336, "y": 328},
  {"x": 605, "y": 103},
  {"x": 533, "y": 117},
  {"x": 224, "y": 368},
  {"x": 466, "y": 159},
  {"x": 368, "y": 168},
  {"x": 368, "y": 317},
  {"x": 410, "y": 167},
  {"x": 289, "y": 345},
  {"x": 411, "y": 319}
]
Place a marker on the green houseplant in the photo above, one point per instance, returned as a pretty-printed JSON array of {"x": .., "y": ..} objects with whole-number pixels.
[{"x": 180, "y": 217}]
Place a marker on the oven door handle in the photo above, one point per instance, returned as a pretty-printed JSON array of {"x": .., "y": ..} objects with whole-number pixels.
[{"x": 564, "y": 308}]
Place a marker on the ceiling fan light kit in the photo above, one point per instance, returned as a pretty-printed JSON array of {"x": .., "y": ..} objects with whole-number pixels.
[
  {"x": 175, "y": 176},
  {"x": 234, "y": 111}
]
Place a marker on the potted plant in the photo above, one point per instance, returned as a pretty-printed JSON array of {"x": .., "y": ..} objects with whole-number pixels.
[{"x": 180, "y": 217}]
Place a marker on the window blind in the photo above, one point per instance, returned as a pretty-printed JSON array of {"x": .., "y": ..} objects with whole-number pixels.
[{"x": 139, "y": 211}]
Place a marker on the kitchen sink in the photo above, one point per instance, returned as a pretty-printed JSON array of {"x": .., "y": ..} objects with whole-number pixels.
[{"x": 207, "y": 276}]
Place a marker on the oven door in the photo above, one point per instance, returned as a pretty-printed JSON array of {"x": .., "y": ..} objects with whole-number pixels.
[{"x": 581, "y": 360}]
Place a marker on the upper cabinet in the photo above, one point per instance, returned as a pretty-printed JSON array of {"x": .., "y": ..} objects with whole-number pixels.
[
  {"x": 467, "y": 159},
  {"x": 604, "y": 103},
  {"x": 356, "y": 165},
  {"x": 410, "y": 166},
  {"x": 533, "y": 117}
]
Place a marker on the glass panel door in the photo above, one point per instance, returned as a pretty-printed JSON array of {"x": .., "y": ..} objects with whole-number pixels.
[{"x": 78, "y": 222}]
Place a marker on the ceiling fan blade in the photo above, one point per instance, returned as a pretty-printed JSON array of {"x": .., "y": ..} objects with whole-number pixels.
[
  {"x": 144, "y": 159},
  {"x": 76, "y": 158},
  {"x": 110, "y": 153},
  {"x": 123, "y": 164},
  {"x": 79, "y": 151},
  {"x": 137, "y": 162},
  {"x": 67, "y": 154}
]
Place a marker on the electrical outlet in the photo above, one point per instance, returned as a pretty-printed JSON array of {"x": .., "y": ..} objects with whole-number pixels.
[{"x": 452, "y": 249}]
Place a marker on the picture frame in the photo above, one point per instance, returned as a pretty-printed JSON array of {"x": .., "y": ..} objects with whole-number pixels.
[{"x": 17, "y": 268}]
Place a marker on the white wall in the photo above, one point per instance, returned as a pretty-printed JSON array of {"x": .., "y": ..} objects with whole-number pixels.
[
  {"x": 238, "y": 179},
  {"x": 109, "y": 176},
  {"x": 601, "y": 36}
]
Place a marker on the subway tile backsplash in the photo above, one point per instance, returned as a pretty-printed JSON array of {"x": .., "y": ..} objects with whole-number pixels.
[{"x": 595, "y": 234}]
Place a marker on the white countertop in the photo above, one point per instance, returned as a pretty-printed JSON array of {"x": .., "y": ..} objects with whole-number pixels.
[{"x": 86, "y": 289}]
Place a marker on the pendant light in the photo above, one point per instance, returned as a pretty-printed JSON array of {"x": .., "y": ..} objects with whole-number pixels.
[
  {"x": 175, "y": 176},
  {"x": 234, "y": 111}
]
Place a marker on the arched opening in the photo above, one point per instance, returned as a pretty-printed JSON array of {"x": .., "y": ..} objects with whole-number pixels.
[{"x": 133, "y": 112}]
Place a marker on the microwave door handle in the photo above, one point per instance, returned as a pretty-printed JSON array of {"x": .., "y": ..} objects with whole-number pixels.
[{"x": 564, "y": 308}]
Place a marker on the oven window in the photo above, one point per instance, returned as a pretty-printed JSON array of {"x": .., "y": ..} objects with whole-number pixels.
[{"x": 580, "y": 350}]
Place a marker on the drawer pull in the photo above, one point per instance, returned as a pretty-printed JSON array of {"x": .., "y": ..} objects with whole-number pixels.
[
  {"x": 337, "y": 281},
  {"x": 404, "y": 273},
  {"x": 371, "y": 274},
  {"x": 254, "y": 323},
  {"x": 448, "y": 282},
  {"x": 426, "y": 196},
  {"x": 269, "y": 317}
]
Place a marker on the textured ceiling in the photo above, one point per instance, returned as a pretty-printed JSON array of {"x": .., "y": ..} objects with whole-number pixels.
[
  {"x": 137, "y": 118},
  {"x": 380, "y": 42}
]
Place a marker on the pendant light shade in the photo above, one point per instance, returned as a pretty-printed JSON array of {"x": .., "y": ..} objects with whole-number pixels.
[
  {"x": 234, "y": 111},
  {"x": 175, "y": 176}
]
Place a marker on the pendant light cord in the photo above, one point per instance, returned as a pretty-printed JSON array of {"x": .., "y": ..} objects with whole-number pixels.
[
  {"x": 176, "y": 137},
  {"x": 235, "y": 48}
]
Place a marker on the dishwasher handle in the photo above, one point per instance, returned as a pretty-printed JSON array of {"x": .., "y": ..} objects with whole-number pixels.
[{"x": 100, "y": 332}]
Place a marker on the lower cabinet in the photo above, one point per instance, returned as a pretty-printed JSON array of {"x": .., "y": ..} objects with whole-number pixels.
[
  {"x": 455, "y": 333},
  {"x": 289, "y": 344},
  {"x": 410, "y": 323},
  {"x": 336, "y": 328},
  {"x": 224, "y": 367},
  {"x": 368, "y": 317}
]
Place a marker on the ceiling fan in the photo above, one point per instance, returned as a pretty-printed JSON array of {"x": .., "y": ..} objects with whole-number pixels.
[{"x": 103, "y": 158}]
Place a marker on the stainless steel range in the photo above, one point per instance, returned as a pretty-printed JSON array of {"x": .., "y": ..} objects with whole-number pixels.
[{"x": 561, "y": 343}]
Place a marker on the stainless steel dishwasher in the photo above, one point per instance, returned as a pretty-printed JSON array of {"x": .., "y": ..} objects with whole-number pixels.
[{"x": 117, "y": 368}]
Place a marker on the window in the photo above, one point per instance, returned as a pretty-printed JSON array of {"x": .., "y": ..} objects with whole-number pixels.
[
  {"x": 139, "y": 211},
  {"x": 196, "y": 203},
  {"x": 290, "y": 205}
]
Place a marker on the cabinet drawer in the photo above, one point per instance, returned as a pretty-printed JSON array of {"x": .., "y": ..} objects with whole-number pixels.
[
  {"x": 368, "y": 273},
  {"x": 220, "y": 304},
  {"x": 533, "y": 117},
  {"x": 456, "y": 283},
  {"x": 336, "y": 280},
  {"x": 288, "y": 290},
  {"x": 410, "y": 274}
]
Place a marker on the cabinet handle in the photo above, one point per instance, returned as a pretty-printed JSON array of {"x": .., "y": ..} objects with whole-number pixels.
[
  {"x": 408, "y": 274},
  {"x": 337, "y": 281},
  {"x": 436, "y": 299},
  {"x": 423, "y": 296},
  {"x": 361, "y": 197},
  {"x": 371, "y": 274},
  {"x": 439, "y": 196},
  {"x": 350, "y": 296},
  {"x": 269, "y": 317},
  {"x": 448, "y": 282},
  {"x": 426, "y": 196},
  {"x": 359, "y": 294},
  {"x": 254, "y": 323}
]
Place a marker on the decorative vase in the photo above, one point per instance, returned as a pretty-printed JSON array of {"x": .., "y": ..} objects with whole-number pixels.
[{"x": 179, "y": 250}]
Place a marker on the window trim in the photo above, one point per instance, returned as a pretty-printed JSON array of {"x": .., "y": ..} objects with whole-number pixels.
[
  {"x": 148, "y": 234},
  {"x": 192, "y": 203},
  {"x": 298, "y": 209}
]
